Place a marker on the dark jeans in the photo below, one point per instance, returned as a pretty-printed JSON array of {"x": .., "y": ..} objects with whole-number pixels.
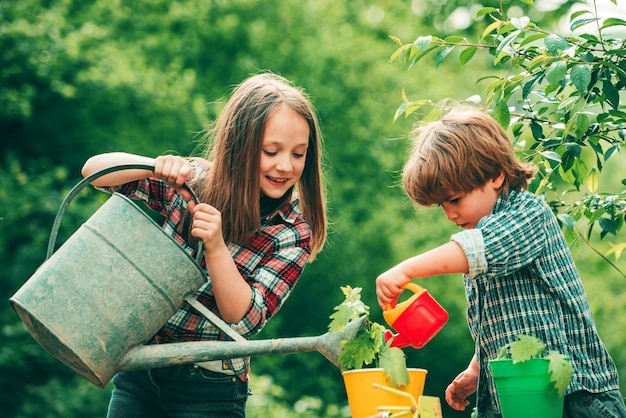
[
  {"x": 177, "y": 392},
  {"x": 590, "y": 405}
]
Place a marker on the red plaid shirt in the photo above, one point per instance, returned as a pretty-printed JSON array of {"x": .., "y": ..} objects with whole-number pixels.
[{"x": 271, "y": 264}]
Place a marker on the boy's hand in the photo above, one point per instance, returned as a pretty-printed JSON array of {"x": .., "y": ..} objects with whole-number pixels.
[
  {"x": 463, "y": 386},
  {"x": 389, "y": 286}
]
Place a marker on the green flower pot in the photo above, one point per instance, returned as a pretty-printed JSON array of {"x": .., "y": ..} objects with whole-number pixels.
[{"x": 524, "y": 389}]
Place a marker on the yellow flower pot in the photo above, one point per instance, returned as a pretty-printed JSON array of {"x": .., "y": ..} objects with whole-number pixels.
[{"x": 364, "y": 398}]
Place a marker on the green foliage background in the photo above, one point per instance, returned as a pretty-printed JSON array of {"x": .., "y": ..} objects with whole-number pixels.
[{"x": 85, "y": 77}]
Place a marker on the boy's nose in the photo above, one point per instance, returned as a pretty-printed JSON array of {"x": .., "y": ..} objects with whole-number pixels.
[{"x": 450, "y": 214}]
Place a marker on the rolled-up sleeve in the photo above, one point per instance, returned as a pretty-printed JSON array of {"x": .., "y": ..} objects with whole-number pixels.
[
  {"x": 275, "y": 275},
  {"x": 472, "y": 243}
]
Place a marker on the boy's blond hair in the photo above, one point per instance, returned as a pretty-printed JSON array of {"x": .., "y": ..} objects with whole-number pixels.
[{"x": 459, "y": 153}]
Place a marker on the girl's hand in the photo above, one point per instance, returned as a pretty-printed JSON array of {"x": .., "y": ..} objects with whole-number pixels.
[
  {"x": 172, "y": 169},
  {"x": 207, "y": 226},
  {"x": 389, "y": 286},
  {"x": 463, "y": 386}
]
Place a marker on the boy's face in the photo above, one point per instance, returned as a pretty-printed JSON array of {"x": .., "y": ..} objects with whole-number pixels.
[{"x": 466, "y": 209}]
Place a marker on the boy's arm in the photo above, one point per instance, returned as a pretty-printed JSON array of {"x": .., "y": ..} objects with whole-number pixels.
[{"x": 446, "y": 259}]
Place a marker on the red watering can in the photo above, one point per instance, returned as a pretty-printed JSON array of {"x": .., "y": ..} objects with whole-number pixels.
[{"x": 417, "y": 319}]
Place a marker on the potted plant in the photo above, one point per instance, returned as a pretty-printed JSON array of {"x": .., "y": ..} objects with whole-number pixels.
[
  {"x": 530, "y": 380},
  {"x": 373, "y": 371}
]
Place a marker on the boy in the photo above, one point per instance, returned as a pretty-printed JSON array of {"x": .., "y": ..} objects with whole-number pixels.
[{"x": 519, "y": 275}]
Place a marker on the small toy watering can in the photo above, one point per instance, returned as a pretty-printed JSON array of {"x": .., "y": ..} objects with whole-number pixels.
[{"x": 417, "y": 319}]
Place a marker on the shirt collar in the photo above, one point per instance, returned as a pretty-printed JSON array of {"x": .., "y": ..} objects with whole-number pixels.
[
  {"x": 289, "y": 212},
  {"x": 503, "y": 200}
]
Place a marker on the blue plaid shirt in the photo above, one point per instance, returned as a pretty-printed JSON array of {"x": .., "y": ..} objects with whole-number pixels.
[
  {"x": 271, "y": 264},
  {"x": 522, "y": 280}
]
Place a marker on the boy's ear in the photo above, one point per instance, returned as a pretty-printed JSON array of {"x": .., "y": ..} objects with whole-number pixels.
[{"x": 499, "y": 181}]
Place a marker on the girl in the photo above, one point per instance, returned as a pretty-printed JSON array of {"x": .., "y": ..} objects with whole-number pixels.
[{"x": 261, "y": 217}]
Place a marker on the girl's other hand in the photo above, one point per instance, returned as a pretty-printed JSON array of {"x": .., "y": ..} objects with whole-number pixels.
[{"x": 207, "y": 226}]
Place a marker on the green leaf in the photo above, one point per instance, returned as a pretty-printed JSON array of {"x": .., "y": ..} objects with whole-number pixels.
[
  {"x": 536, "y": 130},
  {"x": 578, "y": 13},
  {"x": 531, "y": 3},
  {"x": 376, "y": 336},
  {"x": 581, "y": 125},
  {"x": 467, "y": 54},
  {"x": 396, "y": 39},
  {"x": 492, "y": 27},
  {"x": 525, "y": 348},
  {"x": 551, "y": 155},
  {"x": 581, "y": 77},
  {"x": 581, "y": 22},
  {"x": 455, "y": 39},
  {"x": 608, "y": 226},
  {"x": 407, "y": 108},
  {"x": 613, "y": 21},
  {"x": 393, "y": 361},
  {"x": 532, "y": 38},
  {"x": 555, "y": 43},
  {"x": 617, "y": 250},
  {"x": 357, "y": 351},
  {"x": 560, "y": 370},
  {"x": 351, "y": 308},
  {"x": 486, "y": 10},
  {"x": 501, "y": 114},
  {"x": 503, "y": 47},
  {"x": 580, "y": 170},
  {"x": 520, "y": 23},
  {"x": 611, "y": 93},
  {"x": 593, "y": 179},
  {"x": 556, "y": 72},
  {"x": 443, "y": 53},
  {"x": 422, "y": 42}
]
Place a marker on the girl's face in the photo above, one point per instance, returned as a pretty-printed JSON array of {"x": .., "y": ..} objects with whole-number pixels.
[
  {"x": 283, "y": 152},
  {"x": 466, "y": 209}
]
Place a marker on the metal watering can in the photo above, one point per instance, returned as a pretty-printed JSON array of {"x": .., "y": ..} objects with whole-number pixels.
[{"x": 115, "y": 282}]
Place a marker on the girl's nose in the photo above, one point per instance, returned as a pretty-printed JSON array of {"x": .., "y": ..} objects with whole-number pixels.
[{"x": 284, "y": 164}]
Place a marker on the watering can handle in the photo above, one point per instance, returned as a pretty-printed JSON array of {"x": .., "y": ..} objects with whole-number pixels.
[
  {"x": 87, "y": 180},
  {"x": 414, "y": 287}
]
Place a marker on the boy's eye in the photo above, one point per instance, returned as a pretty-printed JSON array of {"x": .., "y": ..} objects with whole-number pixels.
[{"x": 455, "y": 200}]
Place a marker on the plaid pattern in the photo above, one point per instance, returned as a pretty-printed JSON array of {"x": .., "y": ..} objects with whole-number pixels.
[
  {"x": 522, "y": 280},
  {"x": 271, "y": 264}
]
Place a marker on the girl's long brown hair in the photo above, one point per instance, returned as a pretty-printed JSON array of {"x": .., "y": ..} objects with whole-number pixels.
[{"x": 235, "y": 142}]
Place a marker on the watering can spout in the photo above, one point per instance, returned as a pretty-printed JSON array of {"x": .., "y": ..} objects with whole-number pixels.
[
  {"x": 165, "y": 355},
  {"x": 398, "y": 340}
]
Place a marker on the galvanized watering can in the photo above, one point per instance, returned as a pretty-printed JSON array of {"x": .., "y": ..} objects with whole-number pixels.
[{"x": 115, "y": 282}]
